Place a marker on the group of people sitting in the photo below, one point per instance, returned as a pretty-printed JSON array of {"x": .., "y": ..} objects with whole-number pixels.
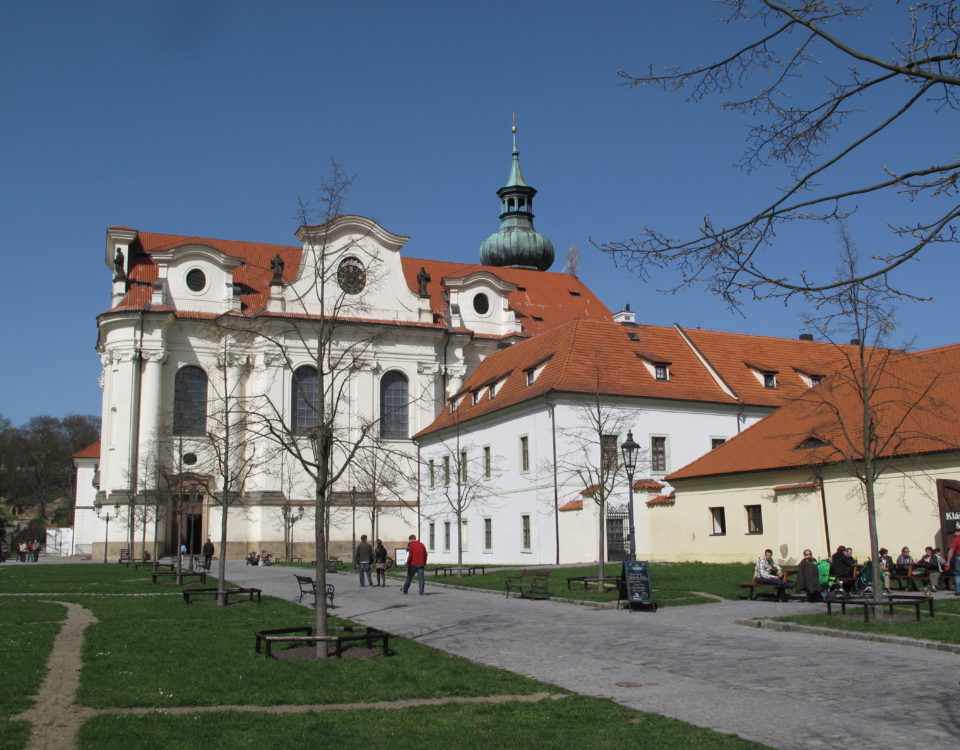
[
  {"x": 258, "y": 558},
  {"x": 813, "y": 577}
]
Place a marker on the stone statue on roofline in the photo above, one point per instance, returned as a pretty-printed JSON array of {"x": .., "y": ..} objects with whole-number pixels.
[
  {"x": 118, "y": 272},
  {"x": 423, "y": 278},
  {"x": 276, "y": 265}
]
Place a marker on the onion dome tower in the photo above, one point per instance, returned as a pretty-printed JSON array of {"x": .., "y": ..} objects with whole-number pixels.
[{"x": 517, "y": 244}]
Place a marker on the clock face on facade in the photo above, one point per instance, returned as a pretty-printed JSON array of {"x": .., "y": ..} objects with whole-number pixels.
[{"x": 351, "y": 276}]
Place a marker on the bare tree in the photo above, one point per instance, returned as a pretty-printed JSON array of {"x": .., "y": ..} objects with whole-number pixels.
[
  {"x": 865, "y": 415},
  {"x": 813, "y": 135},
  {"x": 461, "y": 477},
  {"x": 324, "y": 430},
  {"x": 379, "y": 472},
  {"x": 591, "y": 460}
]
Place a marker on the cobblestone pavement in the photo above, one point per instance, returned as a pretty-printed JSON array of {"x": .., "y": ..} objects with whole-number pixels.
[{"x": 788, "y": 690}]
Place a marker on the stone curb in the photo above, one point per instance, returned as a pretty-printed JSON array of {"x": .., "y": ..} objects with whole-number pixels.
[{"x": 792, "y": 627}]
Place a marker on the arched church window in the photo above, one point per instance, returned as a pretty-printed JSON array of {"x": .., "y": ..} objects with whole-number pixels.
[
  {"x": 190, "y": 401},
  {"x": 394, "y": 422},
  {"x": 304, "y": 399}
]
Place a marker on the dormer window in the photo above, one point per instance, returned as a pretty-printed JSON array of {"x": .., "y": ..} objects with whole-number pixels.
[
  {"x": 529, "y": 376},
  {"x": 661, "y": 372},
  {"x": 815, "y": 380},
  {"x": 196, "y": 280},
  {"x": 476, "y": 396},
  {"x": 811, "y": 442},
  {"x": 769, "y": 380}
]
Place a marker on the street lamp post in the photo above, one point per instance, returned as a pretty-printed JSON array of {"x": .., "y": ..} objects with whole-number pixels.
[
  {"x": 289, "y": 519},
  {"x": 98, "y": 506},
  {"x": 630, "y": 449},
  {"x": 353, "y": 533}
]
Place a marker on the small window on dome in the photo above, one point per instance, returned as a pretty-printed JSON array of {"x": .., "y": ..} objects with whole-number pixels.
[{"x": 481, "y": 304}]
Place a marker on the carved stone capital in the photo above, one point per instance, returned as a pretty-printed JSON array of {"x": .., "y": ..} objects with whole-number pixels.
[
  {"x": 428, "y": 368},
  {"x": 156, "y": 355}
]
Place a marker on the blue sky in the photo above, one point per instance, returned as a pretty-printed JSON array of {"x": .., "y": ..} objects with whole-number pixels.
[{"x": 211, "y": 118}]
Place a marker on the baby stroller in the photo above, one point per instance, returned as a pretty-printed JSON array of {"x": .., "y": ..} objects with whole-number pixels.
[{"x": 864, "y": 582}]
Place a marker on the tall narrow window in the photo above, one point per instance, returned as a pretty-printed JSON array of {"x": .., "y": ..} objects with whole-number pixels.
[
  {"x": 446, "y": 471},
  {"x": 463, "y": 467},
  {"x": 524, "y": 453},
  {"x": 525, "y": 532},
  {"x": 446, "y": 536},
  {"x": 432, "y": 536},
  {"x": 718, "y": 521},
  {"x": 717, "y": 442},
  {"x": 190, "y": 402},
  {"x": 394, "y": 422},
  {"x": 658, "y": 454},
  {"x": 431, "y": 474},
  {"x": 304, "y": 400},
  {"x": 487, "y": 468},
  {"x": 754, "y": 519},
  {"x": 487, "y": 534},
  {"x": 608, "y": 453}
]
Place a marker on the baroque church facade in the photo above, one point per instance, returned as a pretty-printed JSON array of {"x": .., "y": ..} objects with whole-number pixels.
[{"x": 202, "y": 333}]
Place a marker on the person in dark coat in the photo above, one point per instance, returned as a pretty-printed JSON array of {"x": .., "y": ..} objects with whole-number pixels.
[
  {"x": 808, "y": 577},
  {"x": 207, "y": 553}
]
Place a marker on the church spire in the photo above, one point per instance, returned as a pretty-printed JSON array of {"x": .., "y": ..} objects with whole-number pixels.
[{"x": 517, "y": 244}]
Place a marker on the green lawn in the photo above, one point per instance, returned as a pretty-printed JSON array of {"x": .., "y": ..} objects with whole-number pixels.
[
  {"x": 674, "y": 584},
  {"x": 156, "y": 652},
  {"x": 944, "y": 626}
]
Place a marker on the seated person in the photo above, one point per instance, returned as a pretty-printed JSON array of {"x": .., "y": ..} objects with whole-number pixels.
[
  {"x": 766, "y": 572},
  {"x": 841, "y": 564},
  {"x": 808, "y": 577},
  {"x": 904, "y": 561},
  {"x": 886, "y": 566},
  {"x": 264, "y": 557},
  {"x": 253, "y": 559},
  {"x": 934, "y": 564}
]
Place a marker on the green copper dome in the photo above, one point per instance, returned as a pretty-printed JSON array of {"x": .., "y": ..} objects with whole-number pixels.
[{"x": 517, "y": 244}]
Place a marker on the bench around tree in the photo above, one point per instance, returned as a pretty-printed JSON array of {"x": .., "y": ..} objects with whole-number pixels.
[
  {"x": 339, "y": 636},
  {"x": 188, "y": 594}
]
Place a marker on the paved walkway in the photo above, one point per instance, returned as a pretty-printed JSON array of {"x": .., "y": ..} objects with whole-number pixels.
[{"x": 788, "y": 690}]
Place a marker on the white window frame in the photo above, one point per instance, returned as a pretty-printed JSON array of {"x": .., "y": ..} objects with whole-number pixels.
[
  {"x": 526, "y": 529},
  {"x": 524, "y": 454},
  {"x": 488, "y": 535}
]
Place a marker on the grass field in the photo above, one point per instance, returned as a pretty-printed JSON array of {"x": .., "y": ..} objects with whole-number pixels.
[
  {"x": 944, "y": 626},
  {"x": 154, "y": 652},
  {"x": 674, "y": 584}
]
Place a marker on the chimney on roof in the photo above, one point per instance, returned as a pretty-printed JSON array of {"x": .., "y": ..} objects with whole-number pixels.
[
  {"x": 625, "y": 316},
  {"x": 854, "y": 342},
  {"x": 806, "y": 337}
]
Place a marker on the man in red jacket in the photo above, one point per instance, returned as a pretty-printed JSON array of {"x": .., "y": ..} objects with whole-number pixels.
[{"x": 416, "y": 560}]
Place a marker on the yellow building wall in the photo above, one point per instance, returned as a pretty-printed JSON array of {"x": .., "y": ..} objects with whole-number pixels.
[{"x": 907, "y": 514}]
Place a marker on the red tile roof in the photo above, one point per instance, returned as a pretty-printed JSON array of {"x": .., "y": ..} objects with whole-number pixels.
[
  {"x": 916, "y": 404},
  {"x": 736, "y": 355},
  {"x": 660, "y": 500},
  {"x": 572, "y": 505},
  {"x": 588, "y": 357},
  {"x": 793, "y": 487},
  {"x": 542, "y": 300},
  {"x": 648, "y": 484},
  {"x": 91, "y": 451}
]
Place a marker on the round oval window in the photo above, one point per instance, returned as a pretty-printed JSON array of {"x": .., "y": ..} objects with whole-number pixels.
[
  {"x": 189, "y": 458},
  {"x": 196, "y": 280},
  {"x": 481, "y": 304}
]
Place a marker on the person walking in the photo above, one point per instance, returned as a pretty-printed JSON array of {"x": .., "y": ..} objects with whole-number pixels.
[
  {"x": 380, "y": 563},
  {"x": 4, "y": 550},
  {"x": 365, "y": 560},
  {"x": 416, "y": 561},
  {"x": 953, "y": 560},
  {"x": 207, "y": 553}
]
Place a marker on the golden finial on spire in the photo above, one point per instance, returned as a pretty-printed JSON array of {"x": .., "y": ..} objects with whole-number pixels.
[{"x": 513, "y": 123}]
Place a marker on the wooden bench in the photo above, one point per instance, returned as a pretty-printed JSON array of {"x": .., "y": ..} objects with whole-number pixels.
[
  {"x": 309, "y": 586},
  {"x": 779, "y": 590},
  {"x": 609, "y": 582},
  {"x": 179, "y": 575},
  {"x": 888, "y": 600},
  {"x": 188, "y": 594},
  {"x": 340, "y": 636},
  {"x": 531, "y": 583}
]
